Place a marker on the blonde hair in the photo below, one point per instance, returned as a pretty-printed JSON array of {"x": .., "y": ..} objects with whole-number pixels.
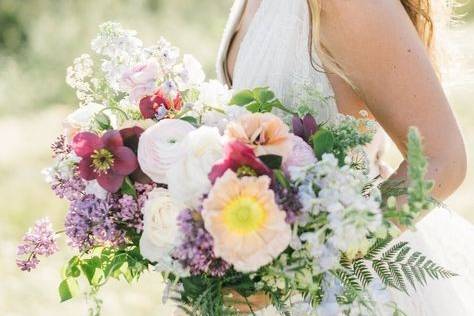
[{"x": 419, "y": 11}]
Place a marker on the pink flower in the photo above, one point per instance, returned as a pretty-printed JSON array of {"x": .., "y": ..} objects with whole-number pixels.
[
  {"x": 140, "y": 80},
  {"x": 239, "y": 158},
  {"x": 153, "y": 105},
  {"x": 300, "y": 156},
  {"x": 104, "y": 159}
]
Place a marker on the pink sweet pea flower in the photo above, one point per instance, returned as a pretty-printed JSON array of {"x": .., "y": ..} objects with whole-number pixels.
[
  {"x": 104, "y": 159},
  {"x": 241, "y": 159},
  {"x": 140, "y": 80}
]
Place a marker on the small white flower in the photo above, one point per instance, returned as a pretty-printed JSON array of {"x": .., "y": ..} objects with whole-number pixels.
[{"x": 190, "y": 72}]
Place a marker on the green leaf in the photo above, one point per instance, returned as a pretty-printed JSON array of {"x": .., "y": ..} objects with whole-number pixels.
[
  {"x": 68, "y": 288},
  {"x": 190, "y": 119},
  {"x": 102, "y": 121},
  {"x": 128, "y": 188},
  {"x": 323, "y": 142},
  {"x": 272, "y": 161},
  {"x": 263, "y": 95},
  {"x": 242, "y": 98},
  {"x": 253, "y": 107},
  {"x": 281, "y": 178}
]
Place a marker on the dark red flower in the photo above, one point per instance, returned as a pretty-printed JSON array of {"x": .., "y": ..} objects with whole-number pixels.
[
  {"x": 305, "y": 127},
  {"x": 131, "y": 137},
  {"x": 151, "y": 105},
  {"x": 239, "y": 158},
  {"x": 105, "y": 159}
]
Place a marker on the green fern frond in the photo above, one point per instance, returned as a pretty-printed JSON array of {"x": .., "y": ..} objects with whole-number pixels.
[{"x": 362, "y": 272}]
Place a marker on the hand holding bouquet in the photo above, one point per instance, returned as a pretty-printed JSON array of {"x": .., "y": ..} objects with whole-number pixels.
[{"x": 234, "y": 206}]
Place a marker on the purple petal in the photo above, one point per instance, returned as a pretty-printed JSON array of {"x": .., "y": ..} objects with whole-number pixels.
[
  {"x": 85, "y": 169},
  {"x": 85, "y": 143},
  {"x": 110, "y": 181},
  {"x": 125, "y": 161},
  {"x": 310, "y": 126},
  {"x": 298, "y": 128},
  {"x": 112, "y": 140}
]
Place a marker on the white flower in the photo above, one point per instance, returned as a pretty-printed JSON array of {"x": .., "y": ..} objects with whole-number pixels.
[
  {"x": 160, "y": 146},
  {"x": 94, "y": 188},
  {"x": 188, "y": 177},
  {"x": 214, "y": 94},
  {"x": 190, "y": 73},
  {"x": 160, "y": 227},
  {"x": 82, "y": 117}
]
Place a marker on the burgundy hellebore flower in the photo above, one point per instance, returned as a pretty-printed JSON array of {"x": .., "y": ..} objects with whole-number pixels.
[
  {"x": 152, "y": 105},
  {"x": 131, "y": 137},
  {"x": 104, "y": 159},
  {"x": 305, "y": 127},
  {"x": 241, "y": 159}
]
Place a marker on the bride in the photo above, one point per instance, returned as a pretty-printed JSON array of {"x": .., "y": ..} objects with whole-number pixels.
[{"x": 376, "y": 56}]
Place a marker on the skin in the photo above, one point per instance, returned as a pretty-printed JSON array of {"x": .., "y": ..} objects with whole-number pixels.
[{"x": 392, "y": 78}]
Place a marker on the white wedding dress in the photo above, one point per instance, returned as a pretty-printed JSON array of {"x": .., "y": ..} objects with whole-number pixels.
[{"x": 274, "y": 53}]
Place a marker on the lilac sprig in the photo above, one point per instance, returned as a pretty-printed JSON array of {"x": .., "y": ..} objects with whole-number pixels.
[
  {"x": 40, "y": 240},
  {"x": 288, "y": 200},
  {"x": 196, "y": 250}
]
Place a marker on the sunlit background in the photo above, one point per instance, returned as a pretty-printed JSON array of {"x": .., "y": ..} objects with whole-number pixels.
[{"x": 38, "y": 40}]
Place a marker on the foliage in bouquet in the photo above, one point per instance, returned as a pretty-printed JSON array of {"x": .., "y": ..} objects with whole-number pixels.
[{"x": 167, "y": 172}]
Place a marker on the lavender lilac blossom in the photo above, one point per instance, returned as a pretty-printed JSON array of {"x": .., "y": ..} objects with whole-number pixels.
[
  {"x": 38, "y": 241},
  {"x": 196, "y": 251}
]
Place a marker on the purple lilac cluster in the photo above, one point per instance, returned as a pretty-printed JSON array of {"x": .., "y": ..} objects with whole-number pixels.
[
  {"x": 60, "y": 148},
  {"x": 196, "y": 251},
  {"x": 128, "y": 209},
  {"x": 38, "y": 241},
  {"x": 288, "y": 200},
  {"x": 71, "y": 188},
  {"x": 90, "y": 222}
]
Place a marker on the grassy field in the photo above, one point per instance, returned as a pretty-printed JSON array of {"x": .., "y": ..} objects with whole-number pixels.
[{"x": 34, "y": 99}]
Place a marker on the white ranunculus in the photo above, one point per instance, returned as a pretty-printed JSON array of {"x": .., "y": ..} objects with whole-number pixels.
[
  {"x": 188, "y": 177},
  {"x": 160, "y": 146},
  {"x": 160, "y": 228}
]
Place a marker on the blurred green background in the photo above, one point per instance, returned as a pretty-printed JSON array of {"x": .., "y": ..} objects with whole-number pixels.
[{"x": 38, "y": 40}]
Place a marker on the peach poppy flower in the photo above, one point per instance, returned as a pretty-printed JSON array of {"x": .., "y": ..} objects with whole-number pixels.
[
  {"x": 248, "y": 228},
  {"x": 266, "y": 133}
]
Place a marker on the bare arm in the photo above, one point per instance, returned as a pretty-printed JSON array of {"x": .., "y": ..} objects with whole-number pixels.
[{"x": 378, "y": 48}]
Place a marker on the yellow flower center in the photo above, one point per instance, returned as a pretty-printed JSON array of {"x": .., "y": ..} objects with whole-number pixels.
[
  {"x": 102, "y": 160},
  {"x": 244, "y": 215}
]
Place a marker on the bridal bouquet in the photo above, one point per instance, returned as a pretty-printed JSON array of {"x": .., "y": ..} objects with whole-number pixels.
[{"x": 170, "y": 173}]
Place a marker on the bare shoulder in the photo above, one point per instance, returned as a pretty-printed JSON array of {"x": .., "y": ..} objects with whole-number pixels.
[{"x": 365, "y": 17}]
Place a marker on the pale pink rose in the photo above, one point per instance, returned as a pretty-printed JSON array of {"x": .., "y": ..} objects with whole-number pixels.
[
  {"x": 140, "y": 80},
  {"x": 301, "y": 155},
  {"x": 160, "y": 146}
]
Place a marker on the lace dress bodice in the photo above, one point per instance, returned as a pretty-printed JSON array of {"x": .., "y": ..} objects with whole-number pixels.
[{"x": 275, "y": 53}]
